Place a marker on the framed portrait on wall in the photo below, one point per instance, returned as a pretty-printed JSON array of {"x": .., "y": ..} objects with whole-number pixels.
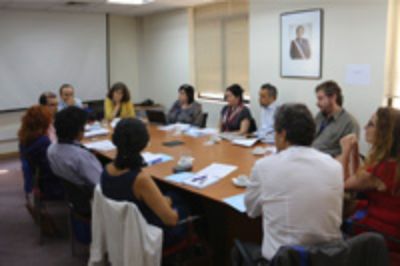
[{"x": 301, "y": 44}]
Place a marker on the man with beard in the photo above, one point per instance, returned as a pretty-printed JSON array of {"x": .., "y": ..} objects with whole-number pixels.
[{"x": 333, "y": 121}]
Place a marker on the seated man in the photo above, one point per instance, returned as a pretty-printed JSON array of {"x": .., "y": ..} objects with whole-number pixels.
[
  {"x": 267, "y": 97},
  {"x": 333, "y": 121},
  {"x": 67, "y": 97},
  {"x": 68, "y": 158},
  {"x": 49, "y": 99},
  {"x": 299, "y": 190}
]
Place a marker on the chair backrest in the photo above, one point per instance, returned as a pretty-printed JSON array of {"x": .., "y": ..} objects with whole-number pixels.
[
  {"x": 367, "y": 249},
  {"x": 78, "y": 197},
  {"x": 120, "y": 229},
  {"x": 204, "y": 120},
  {"x": 253, "y": 125}
]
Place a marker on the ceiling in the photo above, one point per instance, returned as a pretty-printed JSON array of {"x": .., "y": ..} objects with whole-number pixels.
[{"x": 100, "y": 6}]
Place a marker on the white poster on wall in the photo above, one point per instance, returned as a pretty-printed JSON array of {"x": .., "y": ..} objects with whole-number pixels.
[{"x": 358, "y": 74}]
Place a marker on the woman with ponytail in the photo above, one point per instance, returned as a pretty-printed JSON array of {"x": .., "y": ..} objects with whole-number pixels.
[{"x": 124, "y": 179}]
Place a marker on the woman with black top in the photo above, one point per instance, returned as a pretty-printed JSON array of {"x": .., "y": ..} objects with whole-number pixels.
[
  {"x": 125, "y": 179},
  {"x": 235, "y": 116},
  {"x": 186, "y": 110}
]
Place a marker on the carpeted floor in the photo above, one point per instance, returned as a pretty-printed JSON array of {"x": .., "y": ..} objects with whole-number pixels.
[{"x": 19, "y": 236}]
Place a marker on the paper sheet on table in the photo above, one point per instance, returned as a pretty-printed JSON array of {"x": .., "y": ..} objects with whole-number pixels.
[
  {"x": 96, "y": 132},
  {"x": 114, "y": 122},
  {"x": 179, "y": 177},
  {"x": 236, "y": 202},
  {"x": 176, "y": 127},
  {"x": 210, "y": 175},
  {"x": 155, "y": 158},
  {"x": 245, "y": 142},
  {"x": 200, "y": 132},
  {"x": 103, "y": 145},
  {"x": 230, "y": 136}
]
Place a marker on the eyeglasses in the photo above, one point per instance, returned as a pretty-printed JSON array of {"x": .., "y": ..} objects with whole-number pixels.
[{"x": 370, "y": 124}]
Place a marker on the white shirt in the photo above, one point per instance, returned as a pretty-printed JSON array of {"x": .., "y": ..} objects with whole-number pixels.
[
  {"x": 267, "y": 119},
  {"x": 299, "y": 193},
  {"x": 119, "y": 229}
]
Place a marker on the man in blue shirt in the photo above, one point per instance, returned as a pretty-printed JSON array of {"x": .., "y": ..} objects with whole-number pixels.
[
  {"x": 67, "y": 97},
  {"x": 267, "y": 98}
]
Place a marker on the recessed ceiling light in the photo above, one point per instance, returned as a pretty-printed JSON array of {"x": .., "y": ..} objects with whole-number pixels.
[{"x": 129, "y": 2}]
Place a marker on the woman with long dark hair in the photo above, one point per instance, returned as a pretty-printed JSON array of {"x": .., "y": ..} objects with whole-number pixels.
[{"x": 125, "y": 179}]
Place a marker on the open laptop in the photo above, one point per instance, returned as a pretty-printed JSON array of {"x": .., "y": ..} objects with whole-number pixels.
[{"x": 156, "y": 117}]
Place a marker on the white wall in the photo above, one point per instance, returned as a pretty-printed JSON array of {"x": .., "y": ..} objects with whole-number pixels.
[
  {"x": 164, "y": 62},
  {"x": 354, "y": 33},
  {"x": 124, "y": 65}
]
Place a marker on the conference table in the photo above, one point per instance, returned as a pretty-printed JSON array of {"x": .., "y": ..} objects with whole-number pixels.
[{"x": 225, "y": 223}]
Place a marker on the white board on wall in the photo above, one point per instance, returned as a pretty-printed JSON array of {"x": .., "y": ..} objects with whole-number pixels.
[{"x": 39, "y": 51}]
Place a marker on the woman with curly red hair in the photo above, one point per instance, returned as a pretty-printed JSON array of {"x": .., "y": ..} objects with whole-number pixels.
[
  {"x": 379, "y": 177},
  {"x": 33, "y": 143}
]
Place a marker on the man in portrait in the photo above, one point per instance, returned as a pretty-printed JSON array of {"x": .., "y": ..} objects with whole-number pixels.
[{"x": 300, "y": 47}]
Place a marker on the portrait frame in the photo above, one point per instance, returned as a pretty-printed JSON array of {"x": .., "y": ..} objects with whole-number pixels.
[{"x": 301, "y": 35}]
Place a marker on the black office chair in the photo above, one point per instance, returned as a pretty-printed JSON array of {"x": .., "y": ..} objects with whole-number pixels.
[
  {"x": 364, "y": 249},
  {"x": 79, "y": 213},
  {"x": 253, "y": 126},
  {"x": 41, "y": 202},
  {"x": 204, "y": 120}
]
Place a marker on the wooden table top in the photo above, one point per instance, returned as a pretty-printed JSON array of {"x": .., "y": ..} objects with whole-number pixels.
[{"x": 222, "y": 152}]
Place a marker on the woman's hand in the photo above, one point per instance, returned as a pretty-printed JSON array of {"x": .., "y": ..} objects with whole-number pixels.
[{"x": 348, "y": 142}]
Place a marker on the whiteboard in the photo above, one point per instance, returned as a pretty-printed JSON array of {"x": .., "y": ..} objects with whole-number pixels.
[{"x": 39, "y": 51}]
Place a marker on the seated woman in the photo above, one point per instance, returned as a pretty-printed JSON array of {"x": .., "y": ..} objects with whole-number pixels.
[
  {"x": 33, "y": 143},
  {"x": 235, "y": 116},
  {"x": 186, "y": 109},
  {"x": 118, "y": 103},
  {"x": 379, "y": 178},
  {"x": 124, "y": 179}
]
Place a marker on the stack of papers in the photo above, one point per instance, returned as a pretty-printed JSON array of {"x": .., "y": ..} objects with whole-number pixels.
[
  {"x": 245, "y": 142},
  {"x": 155, "y": 158},
  {"x": 236, "y": 202},
  {"x": 96, "y": 132},
  {"x": 104, "y": 145},
  {"x": 209, "y": 175}
]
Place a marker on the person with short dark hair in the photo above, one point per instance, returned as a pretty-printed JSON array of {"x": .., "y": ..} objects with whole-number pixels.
[
  {"x": 118, "y": 102},
  {"x": 267, "y": 98},
  {"x": 185, "y": 110},
  {"x": 124, "y": 179},
  {"x": 67, "y": 97},
  {"x": 235, "y": 116},
  {"x": 333, "y": 121},
  {"x": 68, "y": 158},
  {"x": 50, "y": 100},
  {"x": 299, "y": 190}
]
